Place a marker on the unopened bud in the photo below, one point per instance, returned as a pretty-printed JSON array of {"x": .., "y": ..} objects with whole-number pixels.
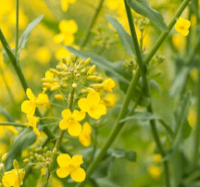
[
  {"x": 59, "y": 97},
  {"x": 54, "y": 71},
  {"x": 59, "y": 67},
  {"x": 65, "y": 68},
  {"x": 70, "y": 148},
  {"x": 64, "y": 85},
  {"x": 64, "y": 60},
  {"x": 74, "y": 85},
  {"x": 4, "y": 157},
  {"x": 48, "y": 154},
  {"x": 87, "y": 61},
  {"x": 15, "y": 164},
  {"x": 54, "y": 150},
  {"x": 91, "y": 70},
  {"x": 97, "y": 86},
  {"x": 55, "y": 87},
  {"x": 92, "y": 78},
  {"x": 26, "y": 160},
  {"x": 47, "y": 85},
  {"x": 73, "y": 58},
  {"x": 46, "y": 80},
  {"x": 2, "y": 167},
  {"x": 47, "y": 164},
  {"x": 78, "y": 75}
]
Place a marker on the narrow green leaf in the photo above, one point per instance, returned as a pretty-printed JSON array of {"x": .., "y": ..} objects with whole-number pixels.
[
  {"x": 106, "y": 182},
  {"x": 125, "y": 38},
  {"x": 142, "y": 7},
  {"x": 114, "y": 70},
  {"x": 143, "y": 116},
  {"x": 6, "y": 114},
  {"x": 26, "y": 138},
  {"x": 25, "y": 35}
]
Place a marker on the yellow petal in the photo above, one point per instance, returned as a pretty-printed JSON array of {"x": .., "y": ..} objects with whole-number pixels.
[
  {"x": 68, "y": 39},
  {"x": 64, "y": 5},
  {"x": 93, "y": 98},
  {"x": 78, "y": 115},
  {"x": 77, "y": 160},
  {"x": 85, "y": 139},
  {"x": 71, "y": 1},
  {"x": 63, "y": 124},
  {"x": 66, "y": 114},
  {"x": 58, "y": 38},
  {"x": 62, "y": 172},
  {"x": 83, "y": 105},
  {"x": 74, "y": 129},
  {"x": 9, "y": 179},
  {"x": 36, "y": 131},
  {"x": 98, "y": 111},
  {"x": 68, "y": 26},
  {"x": 64, "y": 160},
  {"x": 30, "y": 94},
  {"x": 78, "y": 175},
  {"x": 28, "y": 107},
  {"x": 87, "y": 128}
]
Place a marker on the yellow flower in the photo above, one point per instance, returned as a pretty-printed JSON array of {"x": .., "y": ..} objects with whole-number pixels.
[
  {"x": 32, "y": 121},
  {"x": 85, "y": 135},
  {"x": 113, "y": 4},
  {"x": 65, "y": 4},
  {"x": 157, "y": 158},
  {"x": 154, "y": 171},
  {"x": 28, "y": 106},
  {"x": 92, "y": 105},
  {"x": 70, "y": 166},
  {"x": 13, "y": 178},
  {"x": 70, "y": 121},
  {"x": 109, "y": 100},
  {"x": 108, "y": 84},
  {"x": 182, "y": 26},
  {"x": 43, "y": 55}
]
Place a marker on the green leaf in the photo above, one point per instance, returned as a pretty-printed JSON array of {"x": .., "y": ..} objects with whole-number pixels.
[
  {"x": 131, "y": 155},
  {"x": 103, "y": 169},
  {"x": 25, "y": 35},
  {"x": 106, "y": 182},
  {"x": 142, "y": 7},
  {"x": 114, "y": 70},
  {"x": 143, "y": 116},
  {"x": 118, "y": 153},
  {"x": 125, "y": 38},
  {"x": 179, "y": 82},
  {"x": 26, "y": 138},
  {"x": 155, "y": 88},
  {"x": 6, "y": 114}
]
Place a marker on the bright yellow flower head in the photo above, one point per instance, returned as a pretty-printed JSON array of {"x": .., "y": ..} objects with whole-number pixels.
[
  {"x": 92, "y": 105},
  {"x": 182, "y": 26},
  {"x": 13, "y": 178},
  {"x": 28, "y": 106},
  {"x": 85, "y": 136},
  {"x": 113, "y": 4},
  {"x": 70, "y": 166},
  {"x": 154, "y": 171},
  {"x": 109, "y": 100},
  {"x": 43, "y": 55},
  {"x": 157, "y": 158},
  {"x": 68, "y": 26},
  {"x": 70, "y": 121},
  {"x": 32, "y": 123},
  {"x": 108, "y": 84}
]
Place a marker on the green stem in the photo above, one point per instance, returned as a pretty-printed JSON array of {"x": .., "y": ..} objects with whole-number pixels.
[
  {"x": 164, "y": 34},
  {"x": 131, "y": 89},
  {"x": 12, "y": 124},
  {"x": 87, "y": 33},
  {"x": 24, "y": 82},
  {"x": 57, "y": 145},
  {"x": 17, "y": 28}
]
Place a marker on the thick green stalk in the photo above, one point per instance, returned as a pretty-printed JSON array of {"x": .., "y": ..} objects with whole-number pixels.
[
  {"x": 146, "y": 90},
  {"x": 17, "y": 28},
  {"x": 88, "y": 31},
  {"x": 197, "y": 128},
  {"x": 117, "y": 127},
  {"x": 24, "y": 82}
]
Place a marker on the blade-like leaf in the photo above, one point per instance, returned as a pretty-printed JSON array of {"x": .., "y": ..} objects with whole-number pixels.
[
  {"x": 143, "y": 116},
  {"x": 125, "y": 38},
  {"x": 112, "y": 69},
  {"x": 25, "y": 35},
  {"x": 142, "y": 7}
]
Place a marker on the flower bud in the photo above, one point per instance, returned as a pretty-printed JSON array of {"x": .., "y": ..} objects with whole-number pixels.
[
  {"x": 64, "y": 60},
  {"x": 54, "y": 71},
  {"x": 4, "y": 157},
  {"x": 15, "y": 164},
  {"x": 87, "y": 61},
  {"x": 26, "y": 160},
  {"x": 47, "y": 85},
  {"x": 55, "y": 87},
  {"x": 74, "y": 85},
  {"x": 59, "y": 97},
  {"x": 91, "y": 70},
  {"x": 59, "y": 67}
]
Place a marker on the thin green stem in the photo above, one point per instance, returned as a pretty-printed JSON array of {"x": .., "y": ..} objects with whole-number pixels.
[
  {"x": 57, "y": 145},
  {"x": 17, "y": 28},
  {"x": 12, "y": 124},
  {"x": 92, "y": 22}
]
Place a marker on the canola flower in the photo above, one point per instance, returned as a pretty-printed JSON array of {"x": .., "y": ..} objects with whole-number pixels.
[
  {"x": 70, "y": 166},
  {"x": 108, "y": 84},
  {"x": 13, "y": 178},
  {"x": 182, "y": 26},
  {"x": 85, "y": 135},
  {"x": 70, "y": 121},
  {"x": 154, "y": 171},
  {"x": 65, "y": 4},
  {"x": 92, "y": 105},
  {"x": 28, "y": 106},
  {"x": 32, "y": 121}
]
